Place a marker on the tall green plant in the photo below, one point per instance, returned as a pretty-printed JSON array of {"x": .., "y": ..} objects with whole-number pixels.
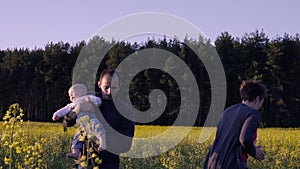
[{"x": 19, "y": 153}]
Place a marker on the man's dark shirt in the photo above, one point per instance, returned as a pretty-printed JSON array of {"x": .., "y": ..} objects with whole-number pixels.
[
  {"x": 119, "y": 130},
  {"x": 235, "y": 132}
]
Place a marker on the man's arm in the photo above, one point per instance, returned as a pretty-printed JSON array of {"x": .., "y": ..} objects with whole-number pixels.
[
  {"x": 248, "y": 130},
  {"x": 127, "y": 130},
  {"x": 125, "y": 126}
]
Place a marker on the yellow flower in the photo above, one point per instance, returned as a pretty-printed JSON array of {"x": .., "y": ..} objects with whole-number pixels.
[
  {"x": 83, "y": 157},
  {"x": 27, "y": 163},
  {"x": 7, "y": 160},
  {"x": 90, "y": 150},
  {"x": 31, "y": 159},
  {"x": 81, "y": 138},
  {"x": 18, "y": 150},
  {"x": 83, "y": 164},
  {"x": 98, "y": 161},
  {"x": 94, "y": 155}
]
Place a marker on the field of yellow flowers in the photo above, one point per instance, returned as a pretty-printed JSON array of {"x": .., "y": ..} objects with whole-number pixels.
[{"x": 44, "y": 146}]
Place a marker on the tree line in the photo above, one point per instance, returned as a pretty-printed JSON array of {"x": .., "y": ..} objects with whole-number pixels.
[{"x": 39, "y": 79}]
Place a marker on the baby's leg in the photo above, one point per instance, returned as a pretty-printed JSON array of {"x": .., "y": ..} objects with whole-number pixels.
[
  {"x": 100, "y": 133},
  {"x": 102, "y": 140},
  {"x": 76, "y": 147},
  {"x": 75, "y": 154}
]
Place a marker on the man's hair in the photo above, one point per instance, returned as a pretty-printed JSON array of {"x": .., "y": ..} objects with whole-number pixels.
[
  {"x": 105, "y": 72},
  {"x": 250, "y": 89},
  {"x": 110, "y": 72}
]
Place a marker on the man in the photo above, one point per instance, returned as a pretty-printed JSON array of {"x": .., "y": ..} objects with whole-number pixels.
[
  {"x": 235, "y": 137},
  {"x": 119, "y": 129}
]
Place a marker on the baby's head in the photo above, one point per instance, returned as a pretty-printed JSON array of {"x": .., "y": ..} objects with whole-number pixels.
[{"x": 76, "y": 91}]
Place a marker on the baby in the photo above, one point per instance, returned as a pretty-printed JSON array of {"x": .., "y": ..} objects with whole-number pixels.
[{"x": 82, "y": 105}]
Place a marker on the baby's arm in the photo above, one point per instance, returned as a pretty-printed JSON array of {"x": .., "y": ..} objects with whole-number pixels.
[{"x": 62, "y": 112}]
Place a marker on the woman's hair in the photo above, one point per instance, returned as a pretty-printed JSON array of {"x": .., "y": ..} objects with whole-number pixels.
[{"x": 250, "y": 89}]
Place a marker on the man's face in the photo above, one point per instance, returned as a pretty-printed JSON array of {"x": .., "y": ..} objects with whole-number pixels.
[
  {"x": 258, "y": 103},
  {"x": 107, "y": 86}
]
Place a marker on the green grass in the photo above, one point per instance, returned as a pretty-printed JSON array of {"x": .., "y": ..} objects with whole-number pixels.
[{"x": 282, "y": 147}]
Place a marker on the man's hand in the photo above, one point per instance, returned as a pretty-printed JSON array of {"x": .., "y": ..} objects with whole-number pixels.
[
  {"x": 260, "y": 154},
  {"x": 70, "y": 119}
]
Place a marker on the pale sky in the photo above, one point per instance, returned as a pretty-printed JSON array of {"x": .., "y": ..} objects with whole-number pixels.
[{"x": 33, "y": 23}]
